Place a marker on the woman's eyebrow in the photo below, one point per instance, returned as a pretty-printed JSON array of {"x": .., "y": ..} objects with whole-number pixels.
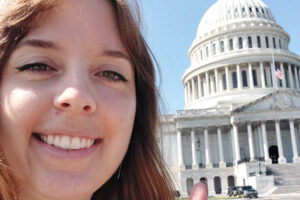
[
  {"x": 51, "y": 45},
  {"x": 115, "y": 54},
  {"x": 38, "y": 43}
]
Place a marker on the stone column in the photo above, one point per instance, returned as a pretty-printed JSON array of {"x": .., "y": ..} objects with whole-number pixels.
[
  {"x": 189, "y": 92},
  {"x": 179, "y": 148},
  {"x": 207, "y": 84},
  {"x": 193, "y": 141},
  {"x": 262, "y": 75},
  {"x": 299, "y": 77},
  {"x": 212, "y": 84},
  {"x": 239, "y": 78},
  {"x": 227, "y": 78},
  {"x": 221, "y": 83},
  {"x": 296, "y": 158},
  {"x": 217, "y": 81},
  {"x": 283, "y": 72},
  {"x": 236, "y": 143},
  {"x": 193, "y": 90},
  {"x": 199, "y": 87},
  {"x": 222, "y": 164},
  {"x": 296, "y": 77},
  {"x": 250, "y": 140},
  {"x": 265, "y": 141},
  {"x": 281, "y": 159},
  {"x": 207, "y": 153},
  {"x": 250, "y": 76},
  {"x": 291, "y": 77}
]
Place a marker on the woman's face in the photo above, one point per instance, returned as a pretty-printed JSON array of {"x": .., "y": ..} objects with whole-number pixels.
[{"x": 68, "y": 102}]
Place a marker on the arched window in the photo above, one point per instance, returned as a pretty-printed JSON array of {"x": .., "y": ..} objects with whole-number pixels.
[
  {"x": 231, "y": 44},
  {"x": 230, "y": 181},
  {"x": 203, "y": 179},
  {"x": 207, "y": 53},
  {"x": 267, "y": 42},
  {"x": 222, "y": 46},
  {"x": 201, "y": 55},
  {"x": 214, "y": 49},
  {"x": 244, "y": 76},
  {"x": 279, "y": 43},
  {"x": 250, "y": 42},
  {"x": 274, "y": 43},
  {"x": 217, "y": 184},
  {"x": 254, "y": 75},
  {"x": 234, "y": 80},
  {"x": 258, "y": 42},
  {"x": 240, "y": 42},
  {"x": 189, "y": 185}
]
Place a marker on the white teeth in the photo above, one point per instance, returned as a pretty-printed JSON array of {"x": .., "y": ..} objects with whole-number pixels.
[
  {"x": 50, "y": 139},
  {"x": 83, "y": 143},
  {"x": 67, "y": 142},
  {"x": 75, "y": 144}
]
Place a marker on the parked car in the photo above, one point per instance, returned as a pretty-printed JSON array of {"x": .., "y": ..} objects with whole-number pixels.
[
  {"x": 250, "y": 193},
  {"x": 243, "y": 188},
  {"x": 232, "y": 191}
]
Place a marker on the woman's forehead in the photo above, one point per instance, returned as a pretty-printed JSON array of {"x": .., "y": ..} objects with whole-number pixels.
[{"x": 79, "y": 24}]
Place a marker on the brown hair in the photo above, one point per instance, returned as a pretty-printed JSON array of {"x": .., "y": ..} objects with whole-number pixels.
[{"x": 142, "y": 173}]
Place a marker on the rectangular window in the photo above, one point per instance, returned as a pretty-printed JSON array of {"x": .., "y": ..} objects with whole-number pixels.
[
  {"x": 250, "y": 42},
  {"x": 222, "y": 46},
  {"x": 257, "y": 10},
  {"x": 243, "y": 9},
  {"x": 214, "y": 49},
  {"x": 231, "y": 44},
  {"x": 258, "y": 42},
  {"x": 240, "y": 43},
  {"x": 267, "y": 42},
  {"x": 207, "y": 53},
  {"x": 274, "y": 43},
  {"x": 250, "y": 9}
]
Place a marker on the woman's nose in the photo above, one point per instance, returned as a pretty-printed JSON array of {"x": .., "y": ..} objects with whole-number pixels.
[{"x": 76, "y": 100}]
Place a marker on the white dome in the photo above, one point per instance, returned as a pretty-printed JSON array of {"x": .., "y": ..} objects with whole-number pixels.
[{"x": 229, "y": 11}]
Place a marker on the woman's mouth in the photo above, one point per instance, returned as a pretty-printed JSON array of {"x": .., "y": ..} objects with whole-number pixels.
[{"x": 65, "y": 142}]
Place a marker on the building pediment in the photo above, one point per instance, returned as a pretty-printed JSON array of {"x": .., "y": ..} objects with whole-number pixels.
[{"x": 275, "y": 101}]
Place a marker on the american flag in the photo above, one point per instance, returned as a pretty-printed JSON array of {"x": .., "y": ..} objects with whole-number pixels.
[{"x": 279, "y": 74}]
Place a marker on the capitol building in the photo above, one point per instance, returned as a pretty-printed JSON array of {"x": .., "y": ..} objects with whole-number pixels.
[{"x": 241, "y": 121}]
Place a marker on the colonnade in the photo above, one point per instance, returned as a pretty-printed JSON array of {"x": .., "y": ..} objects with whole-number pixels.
[
  {"x": 234, "y": 133},
  {"x": 239, "y": 76}
]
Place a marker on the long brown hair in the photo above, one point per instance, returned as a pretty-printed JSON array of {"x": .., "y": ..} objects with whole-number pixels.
[{"x": 142, "y": 174}]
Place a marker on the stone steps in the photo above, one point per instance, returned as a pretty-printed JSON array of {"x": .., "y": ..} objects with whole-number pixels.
[
  {"x": 287, "y": 189},
  {"x": 286, "y": 178}
]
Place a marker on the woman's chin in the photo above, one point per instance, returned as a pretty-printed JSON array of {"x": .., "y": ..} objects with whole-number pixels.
[{"x": 61, "y": 185}]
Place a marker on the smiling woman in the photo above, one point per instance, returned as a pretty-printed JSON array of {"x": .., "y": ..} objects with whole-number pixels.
[{"x": 78, "y": 103}]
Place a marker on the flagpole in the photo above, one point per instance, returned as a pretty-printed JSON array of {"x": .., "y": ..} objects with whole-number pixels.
[{"x": 274, "y": 71}]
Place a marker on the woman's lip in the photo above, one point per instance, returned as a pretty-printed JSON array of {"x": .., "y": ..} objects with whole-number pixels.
[{"x": 58, "y": 153}]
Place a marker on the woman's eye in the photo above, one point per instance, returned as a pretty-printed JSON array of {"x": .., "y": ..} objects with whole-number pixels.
[
  {"x": 113, "y": 76},
  {"x": 35, "y": 67}
]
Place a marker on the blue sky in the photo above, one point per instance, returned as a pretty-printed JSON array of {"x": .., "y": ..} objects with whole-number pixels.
[{"x": 170, "y": 28}]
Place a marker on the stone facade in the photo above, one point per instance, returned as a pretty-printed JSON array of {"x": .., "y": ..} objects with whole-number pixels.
[{"x": 239, "y": 117}]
